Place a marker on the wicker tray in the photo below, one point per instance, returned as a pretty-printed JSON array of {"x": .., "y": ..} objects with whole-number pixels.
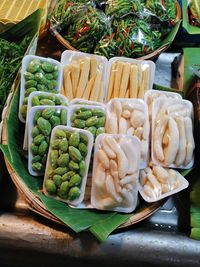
[
  {"x": 152, "y": 55},
  {"x": 37, "y": 206}
]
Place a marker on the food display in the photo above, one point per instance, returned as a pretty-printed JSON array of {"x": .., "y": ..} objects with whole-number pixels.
[
  {"x": 129, "y": 78},
  {"x": 41, "y": 121},
  {"x": 130, "y": 28},
  {"x": 84, "y": 76},
  {"x": 157, "y": 182},
  {"x": 101, "y": 146},
  {"x": 172, "y": 133},
  {"x": 130, "y": 117},
  {"x": 115, "y": 173},
  {"x": 38, "y": 74},
  {"x": 67, "y": 167}
]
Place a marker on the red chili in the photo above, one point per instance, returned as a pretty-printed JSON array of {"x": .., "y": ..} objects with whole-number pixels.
[
  {"x": 145, "y": 49},
  {"x": 132, "y": 45},
  {"x": 163, "y": 2},
  {"x": 125, "y": 32},
  {"x": 84, "y": 29}
]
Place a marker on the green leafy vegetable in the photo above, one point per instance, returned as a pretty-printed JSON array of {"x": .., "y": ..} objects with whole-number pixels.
[{"x": 11, "y": 55}]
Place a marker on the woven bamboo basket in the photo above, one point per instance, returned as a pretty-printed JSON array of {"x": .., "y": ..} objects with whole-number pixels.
[
  {"x": 37, "y": 206},
  {"x": 152, "y": 55}
]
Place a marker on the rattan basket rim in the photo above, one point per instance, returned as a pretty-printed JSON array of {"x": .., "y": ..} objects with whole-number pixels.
[{"x": 38, "y": 207}]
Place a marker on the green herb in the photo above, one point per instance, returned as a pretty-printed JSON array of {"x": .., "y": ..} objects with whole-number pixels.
[{"x": 11, "y": 55}]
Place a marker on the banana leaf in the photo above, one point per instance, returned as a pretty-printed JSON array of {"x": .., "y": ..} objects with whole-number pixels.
[
  {"x": 191, "y": 29},
  {"x": 191, "y": 59},
  {"x": 101, "y": 224}
]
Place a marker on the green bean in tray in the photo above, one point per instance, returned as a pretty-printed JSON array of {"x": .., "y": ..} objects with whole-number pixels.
[
  {"x": 39, "y": 76},
  {"x": 42, "y": 100},
  {"x": 91, "y": 119},
  {"x": 85, "y": 32},
  {"x": 119, "y": 8},
  {"x": 67, "y": 165},
  {"x": 43, "y": 122}
]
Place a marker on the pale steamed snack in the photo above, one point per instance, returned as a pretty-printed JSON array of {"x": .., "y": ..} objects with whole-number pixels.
[
  {"x": 157, "y": 182},
  {"x": 172, "y": 133},
  {"x": 130, "y": 117},
  {"x": 83, "y": 78},
  {"x": 152, "y": 95},
  {"x": 128, "y": 80},
  {"x": 115, "y": 173}
]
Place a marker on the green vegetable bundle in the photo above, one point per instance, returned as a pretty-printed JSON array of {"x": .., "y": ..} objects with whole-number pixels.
[
  {"x": 107, "y": 46},
  {"x": 118, "y": 8},
  {"x": 67, "y": 11},
  {"x": 135, "y": 37},
  {"x": 131, "y": 28},
  {"x": 11, "y": 55},
  {"x": 85, "y": 32},
  {"x": 165, "y": 10}
]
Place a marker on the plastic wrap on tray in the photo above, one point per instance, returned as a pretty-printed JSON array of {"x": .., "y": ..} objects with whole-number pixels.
[
  {"x": 194, "y": 12},
  {"x": 130, "y": 117},
  {"x": 157, "y": 183},
  {"x": 88, "y": 117},
  {"x": 172, "y": 143},
  {"x": 115, "y": 173},
  {"x": 41, "y": 121},
  {"x": 42, "y": 99},
  {"x": 151, "y": 95},
  {"x": 38, "y": 74},
  {"x": 67, "y": 164},
  {"x": 129, "y": 78},
  {"x": 84, "y": 75}
]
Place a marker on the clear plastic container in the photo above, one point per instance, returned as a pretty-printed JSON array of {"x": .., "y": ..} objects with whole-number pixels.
[
  {"x": 172, "y": 141},
  {"x": 81, "y": 122},
  {"x": 25, "y": 62},
  {"x": 115, "y": 173},
  {"x": 88, "y": 75},
  {"x": 129, "y": 78},
  {"x": 86, "y": 159},
  {"x": 151, "y": 95},
  {"x": 157, "y": 183},
  {"x": 64, "y": 102},
  {"x": 130, "y": 116},
  {"x": 31, "y": 125}
]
